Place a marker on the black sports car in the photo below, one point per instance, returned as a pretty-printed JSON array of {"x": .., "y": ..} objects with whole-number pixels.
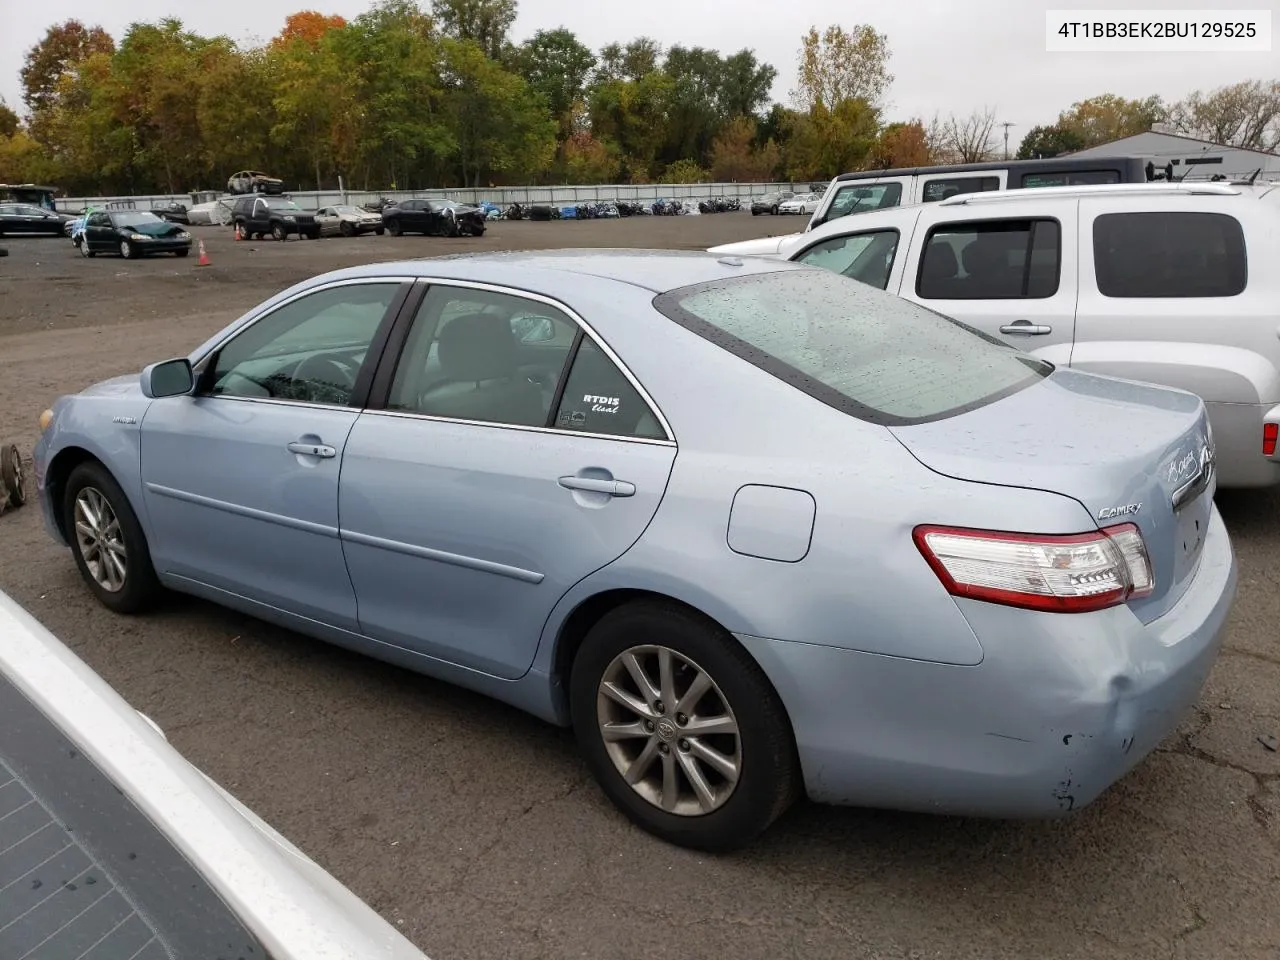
[
  {"x": 132, "y": 233},
  {"x": 434, "y": 218},
  {"x": 25, "y": 218}
]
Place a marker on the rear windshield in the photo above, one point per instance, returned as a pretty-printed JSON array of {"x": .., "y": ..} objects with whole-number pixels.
[{"x": 853, "y": 347}]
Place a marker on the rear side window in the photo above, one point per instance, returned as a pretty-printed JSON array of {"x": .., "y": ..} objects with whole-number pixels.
[
  {"x": 1073, "y": 178},
  {"x": 862, "y": 351},
  {"x": 991, "y": 260},
  {"x": 1148, "y": 255},
  {"x": 861, "y": 256},
  {"x": 935, "y": 190},
  {"x": 859, "y": 198}
]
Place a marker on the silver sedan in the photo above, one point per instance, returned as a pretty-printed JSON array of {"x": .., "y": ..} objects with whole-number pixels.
[
  {"x": 753, "y": 529},
  {"x": 348, "y": 221}
]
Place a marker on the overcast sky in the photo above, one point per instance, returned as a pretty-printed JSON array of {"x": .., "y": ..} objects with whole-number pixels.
[{"x": 947, "y": 55}]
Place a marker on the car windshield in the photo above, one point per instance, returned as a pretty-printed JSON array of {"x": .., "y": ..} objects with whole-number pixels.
[
  {"x": 347, "y": 209},
  {"x": 281, "y": 204},
  {"x": 855, "y": 348},
  {"x": 135, "y": 219}
]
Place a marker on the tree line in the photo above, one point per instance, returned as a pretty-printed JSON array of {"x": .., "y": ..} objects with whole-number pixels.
[{"x": 412, "y": 96}]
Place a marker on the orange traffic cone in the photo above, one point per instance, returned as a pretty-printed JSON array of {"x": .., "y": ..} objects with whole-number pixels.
[
  {"x": 236, "y": 232},
  {"x": 204, "y": 257}
]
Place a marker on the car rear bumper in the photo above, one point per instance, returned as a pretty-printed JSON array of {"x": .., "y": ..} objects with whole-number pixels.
[{"x": 1061, "y": 706}]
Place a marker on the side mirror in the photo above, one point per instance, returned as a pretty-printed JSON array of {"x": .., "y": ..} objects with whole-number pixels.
[
  {"x": 168, "y": 378},
  {"x": 534, "y": 329}
]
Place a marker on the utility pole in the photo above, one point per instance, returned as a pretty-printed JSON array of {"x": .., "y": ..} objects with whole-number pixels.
[{"x": 1006, "y": 126}]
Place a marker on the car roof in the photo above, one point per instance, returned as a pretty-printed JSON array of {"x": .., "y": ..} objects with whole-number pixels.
[{"x": 654, "y": 270}]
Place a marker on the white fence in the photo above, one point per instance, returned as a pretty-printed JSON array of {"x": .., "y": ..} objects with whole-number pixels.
[{"x": 503, "y": 196}]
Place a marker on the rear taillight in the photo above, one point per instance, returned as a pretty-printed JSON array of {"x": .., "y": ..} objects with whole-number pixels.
[
  {"x": 1269, "y": 432},
  {"x": 1067, "y": 574}
]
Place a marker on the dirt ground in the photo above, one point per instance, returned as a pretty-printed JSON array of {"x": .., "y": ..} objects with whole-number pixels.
[{"x": 475, "y": 828}]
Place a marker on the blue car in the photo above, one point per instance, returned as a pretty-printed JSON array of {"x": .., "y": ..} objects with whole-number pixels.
[{"x": 753, "y": 529}]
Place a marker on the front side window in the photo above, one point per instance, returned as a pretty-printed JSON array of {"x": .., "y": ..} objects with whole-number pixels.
[
  {"x": 857, "y": 349},
  {"x": 309, "y": 350},
  {"x": 859, "y": 198},
  {"x": 935, "y": 190},
  {"x": 1143, "y": 255},
  {"x": 991, "y": 260},
  {"x": 867, "y": 257}
]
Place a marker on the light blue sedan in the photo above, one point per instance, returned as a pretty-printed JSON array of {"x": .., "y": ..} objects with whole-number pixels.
[{"x": 752, "y": 528}]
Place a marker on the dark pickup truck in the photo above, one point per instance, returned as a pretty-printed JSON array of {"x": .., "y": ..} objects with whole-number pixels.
[{"x": 257, "y": 216}]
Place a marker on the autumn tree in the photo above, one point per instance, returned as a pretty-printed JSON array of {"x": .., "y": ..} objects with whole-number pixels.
[
  {"x": 63, "y": 46},
  {"x": 1050, "y": 141},
  {"x": 483, "y": 22},
  {"x": 1244, "y": 115},
  {"x": 839, "y": 65},
  {"x": 1108, "y": 117},
  {"x": 307, "y": 27},
  {"x": 586, "y": 160},
  {"x": 900, "y": 145},
  {"x": 735, "y": 156}
]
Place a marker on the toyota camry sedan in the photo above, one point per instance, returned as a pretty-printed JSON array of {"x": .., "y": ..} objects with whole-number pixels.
[{"x": 751, "y": 528}]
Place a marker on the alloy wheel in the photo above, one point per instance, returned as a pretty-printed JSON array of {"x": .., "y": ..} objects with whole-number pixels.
[
  {"x": 100, "y": 540},
  {"x": 669, "y": 730}
]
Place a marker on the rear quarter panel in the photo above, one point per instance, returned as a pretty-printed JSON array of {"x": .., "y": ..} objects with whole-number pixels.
[{"x": 862, "y": 583}]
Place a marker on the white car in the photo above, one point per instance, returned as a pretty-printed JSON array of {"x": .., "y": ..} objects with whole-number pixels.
[
  {"x": 805, "y": 203},
  {"x": 1168, "y": 283},
  {"x": 113, "y": 845}
]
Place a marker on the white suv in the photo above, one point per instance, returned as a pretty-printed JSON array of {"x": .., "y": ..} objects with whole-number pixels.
[{"x": 1168, "y": 283}]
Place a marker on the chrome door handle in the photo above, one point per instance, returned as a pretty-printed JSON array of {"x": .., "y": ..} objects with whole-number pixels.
[
  {"x": 1026, "y": 328},
  {"x": 614, "y": 488},
  {"x": 312, "y": 449}
]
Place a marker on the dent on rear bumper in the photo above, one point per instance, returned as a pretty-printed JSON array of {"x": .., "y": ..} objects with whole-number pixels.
[{"x": 1061, "y": 707}]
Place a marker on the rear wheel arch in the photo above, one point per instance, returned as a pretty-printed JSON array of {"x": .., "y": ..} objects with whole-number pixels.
[{"x": 573, "y": 631}]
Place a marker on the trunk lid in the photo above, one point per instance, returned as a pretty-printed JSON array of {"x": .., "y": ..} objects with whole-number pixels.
[
  {"x": 763, "y": 247},
  {"x": 1124, "y": 450}
]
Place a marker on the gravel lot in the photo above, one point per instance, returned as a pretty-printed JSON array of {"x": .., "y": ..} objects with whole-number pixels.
[{"x": 476, "y": 829}]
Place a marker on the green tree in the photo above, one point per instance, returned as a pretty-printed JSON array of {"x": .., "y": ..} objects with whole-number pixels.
[
  {"x": 633, "y": 115},
  {"x": 683, "y": 171},
  {"x": 399, "y": 132},
  {"x": 8, "y": 120},
  {"x": 826, "y": 142},
  {"x": 1050, "y": 141},
  {"x": 745, "y": 84},
  {"x": 306, "y": 79},
  {"x": 499, "y": 124},
  {"x": 484, "y": 22},
  {"x": 840, "y": 65},
  {"x": 235, "y": 119},
  {"x": 556, "y": 65}
]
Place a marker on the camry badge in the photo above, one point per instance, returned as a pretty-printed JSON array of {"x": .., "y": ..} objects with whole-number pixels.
[{"x": 1110, "y": 513}]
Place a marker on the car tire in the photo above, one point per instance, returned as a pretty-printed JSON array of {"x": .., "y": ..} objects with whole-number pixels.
[
  {"x": 394, "y": 228},
  {"x": 11, "y": 475},
  {"x": 83, "y": 247},
  {"x": 347, "y": 229},
  {"x": 379, "y": 230},
  {"x": 755, "y": 213},
  {"x": 722, "y": 814},
  {"x": 118, "y": 534},
  {"x": 127, "y": 250},
  {"x": 182, "y": 253},
  {"x": 278, "y": 233},
  {"x": 313, "y": 234}
]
